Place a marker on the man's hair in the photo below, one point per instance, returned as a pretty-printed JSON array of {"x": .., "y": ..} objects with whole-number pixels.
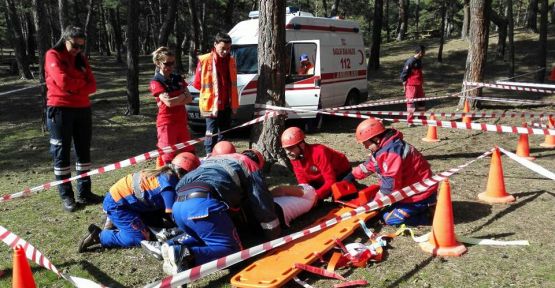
[
  {"x": 222, "y": 37},
  {"x": 419, "y": 48}
]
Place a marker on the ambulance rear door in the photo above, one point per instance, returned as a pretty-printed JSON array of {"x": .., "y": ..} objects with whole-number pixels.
[{"x": 302, "y": 85}]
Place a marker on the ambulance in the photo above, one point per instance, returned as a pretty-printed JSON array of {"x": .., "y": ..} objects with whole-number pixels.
[{"x": 335, "y": 49}]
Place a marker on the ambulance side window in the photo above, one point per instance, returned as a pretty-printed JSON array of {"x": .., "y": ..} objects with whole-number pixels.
[{"x": 300, "y": 61}]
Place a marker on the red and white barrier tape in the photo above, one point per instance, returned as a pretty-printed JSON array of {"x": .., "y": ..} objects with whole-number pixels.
[
  {"x": 515, "y": 101},
  {"x": 509, "y": 87},
  {"x": 128, "y": 162},
  {"x": 224, "y": 262},
  {"x": 526, "y": 84},
  {"x": 529, "y": 164},
  {"x": 439, "y": 123},
  {"x": 458, "y": 115},
  {"x": 20, "y": 89},
  {"x": 33, "y": 254}
]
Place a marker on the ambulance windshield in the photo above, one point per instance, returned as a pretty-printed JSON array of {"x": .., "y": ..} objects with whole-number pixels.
[{"x": 246, "y": 57}]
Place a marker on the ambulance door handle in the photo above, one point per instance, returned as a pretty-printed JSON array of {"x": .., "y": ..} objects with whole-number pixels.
[{"x": 317, "y": 82}]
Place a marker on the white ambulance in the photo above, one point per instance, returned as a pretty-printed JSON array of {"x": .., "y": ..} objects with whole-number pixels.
[{"x": 334, "y": 48}]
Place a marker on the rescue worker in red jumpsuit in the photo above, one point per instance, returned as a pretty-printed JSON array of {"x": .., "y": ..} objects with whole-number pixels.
[
  {"x": 413, "y": 82},
  {"x": 314, "y": 164},
  {"x": 136, "y": 194},
  {"x": 397, "y": 165}
]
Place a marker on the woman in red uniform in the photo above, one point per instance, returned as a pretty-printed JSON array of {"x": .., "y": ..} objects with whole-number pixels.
[{"x": 70, "y": 81}]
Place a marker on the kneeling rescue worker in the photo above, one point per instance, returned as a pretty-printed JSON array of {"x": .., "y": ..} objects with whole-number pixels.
[
  {"x": 397, "y": 164},
  {"x": 142, "y": 192}
]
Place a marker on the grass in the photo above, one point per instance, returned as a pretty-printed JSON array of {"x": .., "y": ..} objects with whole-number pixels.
[{"x": 25, "y": 162}]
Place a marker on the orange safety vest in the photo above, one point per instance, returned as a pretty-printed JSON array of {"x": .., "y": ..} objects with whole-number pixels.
[{"x": 208, "y": 102}]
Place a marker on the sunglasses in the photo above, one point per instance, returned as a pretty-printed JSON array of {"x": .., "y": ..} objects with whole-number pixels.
[
  {"x": 77, "y": 46},
  {"x": 167, "y": 64}
]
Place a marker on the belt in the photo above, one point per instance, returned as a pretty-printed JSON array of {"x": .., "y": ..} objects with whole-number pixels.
[
  {"x": 197, "y": 194},
  {"x": 195, "y": 190}
]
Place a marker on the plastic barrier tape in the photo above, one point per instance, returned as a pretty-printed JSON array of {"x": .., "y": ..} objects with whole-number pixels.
[
  {"x": 20, "y": 89},
  {"x": 529, "y": 164},
  {"x": 509, "y": 87},
  {"x": 128, "y": 162}
]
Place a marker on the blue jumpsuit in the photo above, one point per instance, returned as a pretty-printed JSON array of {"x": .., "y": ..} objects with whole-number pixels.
[{"x": 127, "y": 199}]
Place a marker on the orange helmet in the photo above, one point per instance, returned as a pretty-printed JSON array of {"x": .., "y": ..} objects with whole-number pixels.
[
  {"x": 251, "y": 153},
  {"x": 368, "y": 129},
  {"x": 223, "y": 147},
  {"x": 186, "y": 161},
  {"x": 291, "y": 136}
]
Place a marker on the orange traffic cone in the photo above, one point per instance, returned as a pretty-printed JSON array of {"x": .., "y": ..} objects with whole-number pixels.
[
  {"x": 432, "y": 132},
  {"x": 466, "y": 119},
  {"x": 22, "y": 275},
  {"x": 523, "y": 147},
  {"x": 549, "y": 139},
  {"x": 495, "y": 191},
  {"x": 443, "y": 241}
]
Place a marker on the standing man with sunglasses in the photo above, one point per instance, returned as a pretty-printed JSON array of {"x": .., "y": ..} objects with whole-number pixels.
[
  {"x": 70, "y": 82},
  {"x": 216, "y": 79}
]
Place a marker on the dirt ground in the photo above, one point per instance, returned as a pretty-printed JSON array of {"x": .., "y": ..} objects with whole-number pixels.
[{"x": 25, "y": 162}]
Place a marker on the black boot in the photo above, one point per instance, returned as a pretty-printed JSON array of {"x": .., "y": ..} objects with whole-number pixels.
[
  {"x": 91, "y": 239},
  {"x": 69, "y": 204}
]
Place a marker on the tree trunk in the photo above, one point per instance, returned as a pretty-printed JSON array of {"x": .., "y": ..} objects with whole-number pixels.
[
  {"x": 17, "y": 40},
  {"x": 202, "y": 29},
  {"x": 466, "y": 20},
  {"x": 133, "y": 106},
  {"x": 104, "y": 39},
  {"x": 155, "y": 22},
  {"x": 501, "y": 23},
  {"x": 54, "y": 25},
  {"x": 114, "y": 21},
  {"x": 403, "y": 19},
  {"x": 552, "y": 13},
  {"x": 531, "y": 16},
  {"x": 168, "y": 24},
  {"x": 195, "y": 39},
  {"x": 63, "y": 13},
  {"x": 325, "y": 7},
  {"x": 478, "y": 45},
  {"x": 417, "y": 19},
  {"x": 374, "y": 61},
  {"x": 542, "y": 47},
  {"x": 88, "y": 27},
  {"x": 76, "y": 19},
  {"x": 386, "y": 22},
  {"x": 511, "y": 24},
  {"x": 31, "y": 37},
  {"x": 334, "y": 8},
  {"x": 443, "y": 11},
  {"x": 179, "y": 35},
  {"x": 43, "y": 42},
  {"x": 228, "y": 16},
  {"x": 271, "y": 80}
]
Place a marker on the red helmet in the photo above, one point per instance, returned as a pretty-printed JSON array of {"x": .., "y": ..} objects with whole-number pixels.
[
  {"x": 258, "y": 155},
  {"x": 186, "y": 161},
  {"x": 368, "y": 129},
  {"x": 292, "y": 136},
  {"x": 223, "y": 147}
]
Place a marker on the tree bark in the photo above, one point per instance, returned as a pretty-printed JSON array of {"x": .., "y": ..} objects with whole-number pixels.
[
  {"x": 417, "y": 19},
  {"x": 271, "y": 80},
  {"x": 31, "y": 37},
  {"x": 43, "y": 41},
  {"x": 114, "y": 20},
  {"x": 195, "y": 38},
  {"x": 403, "y": 20},
  {"x": 334, "y": 8},
  {"x": 228, "y": 16},
  {"x": 478, "y": 45},
  {"x": 386, "y": 22},
  {"x": 63, "y": 14},
  {"x": 531, "y": 16},
  {"x": 88, "y": 27},
  {"x": 133, "y": 107},
  {"x": 179, "y": 35},
  {"x": 374, "y": 61},
  {"x": 18, "y": 43},
  {"x": 325, "y": 7},
  {"x": 76, "y": 19},
  {"x": 54, "y": 25},
  {"x": 168, "y": 24},
  {"x": 501, "y": 23},
  {"x": 511, "y": 35},
  {"x": 542, "y": 47},
  {"x": 466, "y": 20},
  {"x": 443, "y": 11},
  {"x": 103, "y": 38}
]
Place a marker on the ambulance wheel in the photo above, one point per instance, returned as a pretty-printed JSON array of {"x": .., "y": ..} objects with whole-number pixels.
[
  {"x": 352, "y": 98},
  {"x": 312, "y": 125}
]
